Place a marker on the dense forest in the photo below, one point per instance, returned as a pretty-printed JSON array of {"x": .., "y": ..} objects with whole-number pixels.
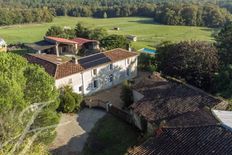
[{"x": 176, "y": 12}]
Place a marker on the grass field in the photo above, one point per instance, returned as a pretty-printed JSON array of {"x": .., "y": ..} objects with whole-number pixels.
[{"x": 149, "y": 34}]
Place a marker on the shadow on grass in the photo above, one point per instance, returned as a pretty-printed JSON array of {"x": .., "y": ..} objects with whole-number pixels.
[
  {"x": 111, "y": 136},
  {"x": 144, "y": 21},
  {"x": 21, "y": 52}
]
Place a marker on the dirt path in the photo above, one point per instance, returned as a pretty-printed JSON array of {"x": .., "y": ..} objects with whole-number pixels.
[{"x": 71, "y": 136}]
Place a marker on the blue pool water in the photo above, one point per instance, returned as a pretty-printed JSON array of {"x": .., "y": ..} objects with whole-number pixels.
[{"x": 147, "y": 50}]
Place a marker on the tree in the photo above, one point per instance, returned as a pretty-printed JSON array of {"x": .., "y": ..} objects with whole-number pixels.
[
  {"x": 55, "y": 31},
  {"x": 224, "y": 44},
  {"x": 195, "y": 62},
  {"x": 114, "y": 41},
  {"x": 127, "y": 94},
  {"x": 81, "y": 31},
  {"x": 98, "y": 34},
  {"x": 23, "y": 85}
]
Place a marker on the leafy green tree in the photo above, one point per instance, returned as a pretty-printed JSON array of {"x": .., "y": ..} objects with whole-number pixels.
[
  {"x": 127, "y": 94},
  {"x": 23, "y": 84},
  {"x": 114, "y": 41},
  {"x": 98, "y": 34},
  {"x": 195, "y": 62},
  {"x": 55, "y": 31},
  {"x": 147, "y": 62},
  {"x": 224, "y": 44},
  {"x": 81, "y": 31}
]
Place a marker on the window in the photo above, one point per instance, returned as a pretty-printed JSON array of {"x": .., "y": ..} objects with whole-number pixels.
[
  {"x": 128, "y": 72},
  {"x": 95, "y": 84},
  {"x": 70, "y": 81},
  {"x": 111, "y": 78},
  {"x": 80, "y": 89},
  {"x": 94, "y": 71},
  {"x": 111, "y": 66}
]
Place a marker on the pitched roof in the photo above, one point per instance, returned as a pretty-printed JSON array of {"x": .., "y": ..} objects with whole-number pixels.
[
  {"x": 165, "y": 99},
  {"x": 60, "y": 67},
  {"x": 119, "y": 54},
  {"x": 196, "y": 140},
  {"x": 60, "y": 40},
  {"x": 82, "y": 41}
]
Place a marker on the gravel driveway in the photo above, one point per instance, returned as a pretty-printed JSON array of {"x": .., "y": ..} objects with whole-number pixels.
[{"x": 72, "y": 135}]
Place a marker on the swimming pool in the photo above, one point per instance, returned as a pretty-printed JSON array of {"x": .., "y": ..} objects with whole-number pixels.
[{"x": 147, "y": 50}]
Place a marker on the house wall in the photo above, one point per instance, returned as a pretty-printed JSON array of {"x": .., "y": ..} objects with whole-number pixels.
[
  {"x": 75, "y": 81},
  {"x": 104, "y": 73},
  {"x": 105, "y": 77}
]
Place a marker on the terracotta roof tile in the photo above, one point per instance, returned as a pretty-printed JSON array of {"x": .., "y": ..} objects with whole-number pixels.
[
  {"x": 60, "y": 67},
  {"x": 119, "y": 54},
  {"x": 61, "y": 40},
  {"x": 82, "y": 41},
  {"x": 67, "y": 69}
]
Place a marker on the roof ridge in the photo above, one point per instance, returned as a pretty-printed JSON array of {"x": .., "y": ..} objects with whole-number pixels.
[
  {"x": 34, "y": 55},
  {"x": 172, "y": 79}
]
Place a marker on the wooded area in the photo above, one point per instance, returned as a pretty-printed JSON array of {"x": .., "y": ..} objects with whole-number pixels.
[{"x": 176, "y": 12}]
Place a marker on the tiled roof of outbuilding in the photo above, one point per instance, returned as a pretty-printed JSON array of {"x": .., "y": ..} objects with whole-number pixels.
[
  {"x": 164, "y": 100},
  {"x": 192, "y": 141}
]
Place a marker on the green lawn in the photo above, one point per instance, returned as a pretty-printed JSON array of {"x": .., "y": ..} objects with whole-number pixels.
[
  {"x": 149, "y": 34},
  {"x": 111, "y": 136}
]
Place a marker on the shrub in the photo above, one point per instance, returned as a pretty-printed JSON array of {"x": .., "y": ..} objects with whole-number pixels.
[
  {"x": 78, "y": 100},
  {"x": 127, "y": 94},
  {"x": 67, "y": 103},
  {"x": 70, "y": 101}
]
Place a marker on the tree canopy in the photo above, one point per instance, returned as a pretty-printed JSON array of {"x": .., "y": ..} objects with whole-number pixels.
[
  {"x": 224, "y": 44},
  {"x": 23, "y": 85},
  {"x": 195, "y": 62}
]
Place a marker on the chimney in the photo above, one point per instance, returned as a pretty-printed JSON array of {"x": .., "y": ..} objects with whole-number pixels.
[{"x": 75, "y": 60}]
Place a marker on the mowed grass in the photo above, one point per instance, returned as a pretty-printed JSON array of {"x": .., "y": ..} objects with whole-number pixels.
[
  {"x": 111, "y": 136},
  {"x": 149, "y": 33}
]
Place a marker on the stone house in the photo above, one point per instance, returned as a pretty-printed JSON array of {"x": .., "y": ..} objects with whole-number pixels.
[{"x": 89, "y": 74}]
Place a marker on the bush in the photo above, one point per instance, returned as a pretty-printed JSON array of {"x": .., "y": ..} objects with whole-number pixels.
[
  {"x": 70, "y": 101},
  {"x": 127, "y": 94},
  {"x": 147, "y": 62},
  {"x": 78, "y": 100},
  {"x": 67, "y": 103}
]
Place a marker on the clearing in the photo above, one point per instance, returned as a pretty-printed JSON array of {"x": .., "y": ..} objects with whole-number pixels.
[{"x": 149, "y": 34}]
